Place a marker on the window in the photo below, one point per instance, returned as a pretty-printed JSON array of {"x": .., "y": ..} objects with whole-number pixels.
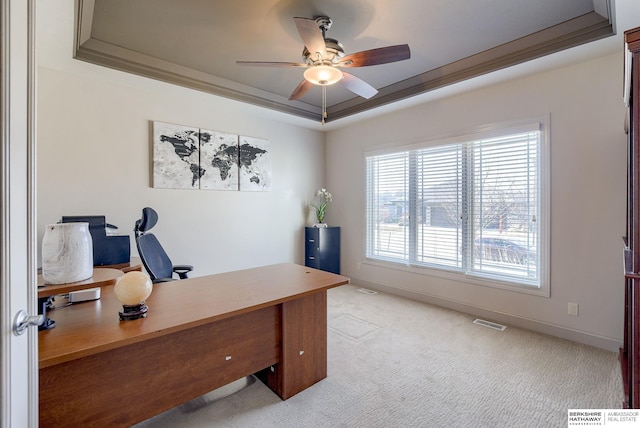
[{"x": 471, "y": 206}]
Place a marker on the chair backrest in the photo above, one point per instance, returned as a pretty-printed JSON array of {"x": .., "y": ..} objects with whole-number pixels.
[
  {"x": 153, "y": 256},
  {"x": 148, "y": 220}
]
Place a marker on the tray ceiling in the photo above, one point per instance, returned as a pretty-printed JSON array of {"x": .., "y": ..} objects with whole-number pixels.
[{"x": 196, "y": 43}]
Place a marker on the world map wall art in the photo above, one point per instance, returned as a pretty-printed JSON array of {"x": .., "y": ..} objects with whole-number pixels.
[{"x": 191, "y": 158}]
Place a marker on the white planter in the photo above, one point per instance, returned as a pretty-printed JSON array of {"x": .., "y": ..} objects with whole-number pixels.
[{"x": 67, "y": 253}]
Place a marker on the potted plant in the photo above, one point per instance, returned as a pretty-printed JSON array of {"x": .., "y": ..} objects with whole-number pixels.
[{"x": 324, "y": 198}]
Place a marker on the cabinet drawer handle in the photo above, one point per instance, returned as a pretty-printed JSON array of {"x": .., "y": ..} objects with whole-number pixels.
[
  {"x": 311, "y": 258},
  {"x": 227, "y": 358}
]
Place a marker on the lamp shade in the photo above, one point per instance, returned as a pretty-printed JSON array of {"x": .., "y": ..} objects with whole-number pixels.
[
  {"x": 133, "y": 288},
  {"x": 323, "y": 75}
]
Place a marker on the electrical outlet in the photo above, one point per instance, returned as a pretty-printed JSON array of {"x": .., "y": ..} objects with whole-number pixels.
[{"x": 572, "y": 309}]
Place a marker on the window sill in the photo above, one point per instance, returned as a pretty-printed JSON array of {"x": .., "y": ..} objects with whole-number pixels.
[{"x": 460, "y": 277}]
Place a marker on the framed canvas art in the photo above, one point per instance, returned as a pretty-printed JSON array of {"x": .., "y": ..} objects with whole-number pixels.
[
  {"x": 255, "y": 164},
  {"x": 185, "y": 157},
  {"x": 218, "y": 160},
  {"x": 176, "y": 156}
]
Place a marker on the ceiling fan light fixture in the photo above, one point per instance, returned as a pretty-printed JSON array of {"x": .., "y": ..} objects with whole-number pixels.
[{"x": 323, "y": 75}]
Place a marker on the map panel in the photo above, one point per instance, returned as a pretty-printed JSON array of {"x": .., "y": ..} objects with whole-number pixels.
[
  {"x": 176, "y": 156},
  {"x": 255, "y": 164},
  {"x": 218, "y": 160}
]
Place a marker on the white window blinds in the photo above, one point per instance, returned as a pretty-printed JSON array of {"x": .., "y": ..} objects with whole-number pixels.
[
  {"x": 472, "y": 206},
  {"x": 388, "y": 206}
]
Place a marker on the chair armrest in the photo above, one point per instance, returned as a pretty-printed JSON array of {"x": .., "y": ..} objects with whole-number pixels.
[
  {"x": 182, "y": 270},
  {"x": 159, "y": 280}
]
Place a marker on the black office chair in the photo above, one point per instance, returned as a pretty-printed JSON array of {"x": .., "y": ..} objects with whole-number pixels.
[{"x": 154, "y": 258}]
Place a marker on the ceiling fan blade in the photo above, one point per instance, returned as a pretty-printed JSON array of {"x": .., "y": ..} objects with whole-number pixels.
[
  {"x": 358, "y": 86},
  {"x": 270, "y": 64},
  {"x": 376, "y": 56},
  {"x": 300, "y": 90},
  {"x": 311, "y": 36}
]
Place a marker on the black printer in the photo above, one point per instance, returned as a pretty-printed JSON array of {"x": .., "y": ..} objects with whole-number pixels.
[{"x": 107, "y": 249}]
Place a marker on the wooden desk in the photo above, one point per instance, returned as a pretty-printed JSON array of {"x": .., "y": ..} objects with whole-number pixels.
[
  {"x": 101, "y": 277},
  {"x": 200, "y": 334}
]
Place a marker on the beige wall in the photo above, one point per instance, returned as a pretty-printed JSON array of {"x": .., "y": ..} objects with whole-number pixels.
[
  {"x": 587, "y": 196},
  {"x": 94, "y": 158}
]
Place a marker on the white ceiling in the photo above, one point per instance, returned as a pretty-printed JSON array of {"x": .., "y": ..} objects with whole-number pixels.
[{"x": 195, "y": 43}]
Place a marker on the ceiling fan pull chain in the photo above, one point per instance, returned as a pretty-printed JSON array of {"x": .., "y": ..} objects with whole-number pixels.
[{"x": 324, "y": 103}]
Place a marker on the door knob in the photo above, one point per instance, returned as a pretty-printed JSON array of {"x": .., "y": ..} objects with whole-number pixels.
[{"x": 22, "y": 321}]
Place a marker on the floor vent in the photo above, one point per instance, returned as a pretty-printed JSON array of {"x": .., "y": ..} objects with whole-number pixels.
[
  {"x": 490, "y": 324},
  {"x": 366, "y": 291}
]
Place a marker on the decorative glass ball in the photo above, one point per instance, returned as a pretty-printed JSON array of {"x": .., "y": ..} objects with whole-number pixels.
[{"x": 133, "y": 288}]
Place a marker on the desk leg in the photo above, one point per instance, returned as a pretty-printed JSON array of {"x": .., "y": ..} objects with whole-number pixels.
[{"x": 304, "y": 346}]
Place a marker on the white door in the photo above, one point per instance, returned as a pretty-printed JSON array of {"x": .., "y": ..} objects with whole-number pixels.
[{"x": 18, "y": 290}]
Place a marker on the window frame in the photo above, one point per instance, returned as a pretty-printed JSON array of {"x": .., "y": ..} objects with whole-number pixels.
[{"x": 471, "y": 135}]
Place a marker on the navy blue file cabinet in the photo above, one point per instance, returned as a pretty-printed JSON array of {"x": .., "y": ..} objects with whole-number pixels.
[{"x": 322, "y": 248}]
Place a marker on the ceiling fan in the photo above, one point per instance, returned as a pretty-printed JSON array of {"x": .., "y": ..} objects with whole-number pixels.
[{"x": 323, "y": 58}]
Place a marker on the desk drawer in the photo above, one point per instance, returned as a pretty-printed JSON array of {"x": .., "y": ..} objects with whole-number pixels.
[{"x": 242, "y": 345}]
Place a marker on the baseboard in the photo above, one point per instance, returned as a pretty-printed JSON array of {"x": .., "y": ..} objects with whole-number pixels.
[{"x": 605, "y": 343}]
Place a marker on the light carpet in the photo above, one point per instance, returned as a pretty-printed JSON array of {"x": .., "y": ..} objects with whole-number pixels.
[{"x": 394, "y": 362}]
